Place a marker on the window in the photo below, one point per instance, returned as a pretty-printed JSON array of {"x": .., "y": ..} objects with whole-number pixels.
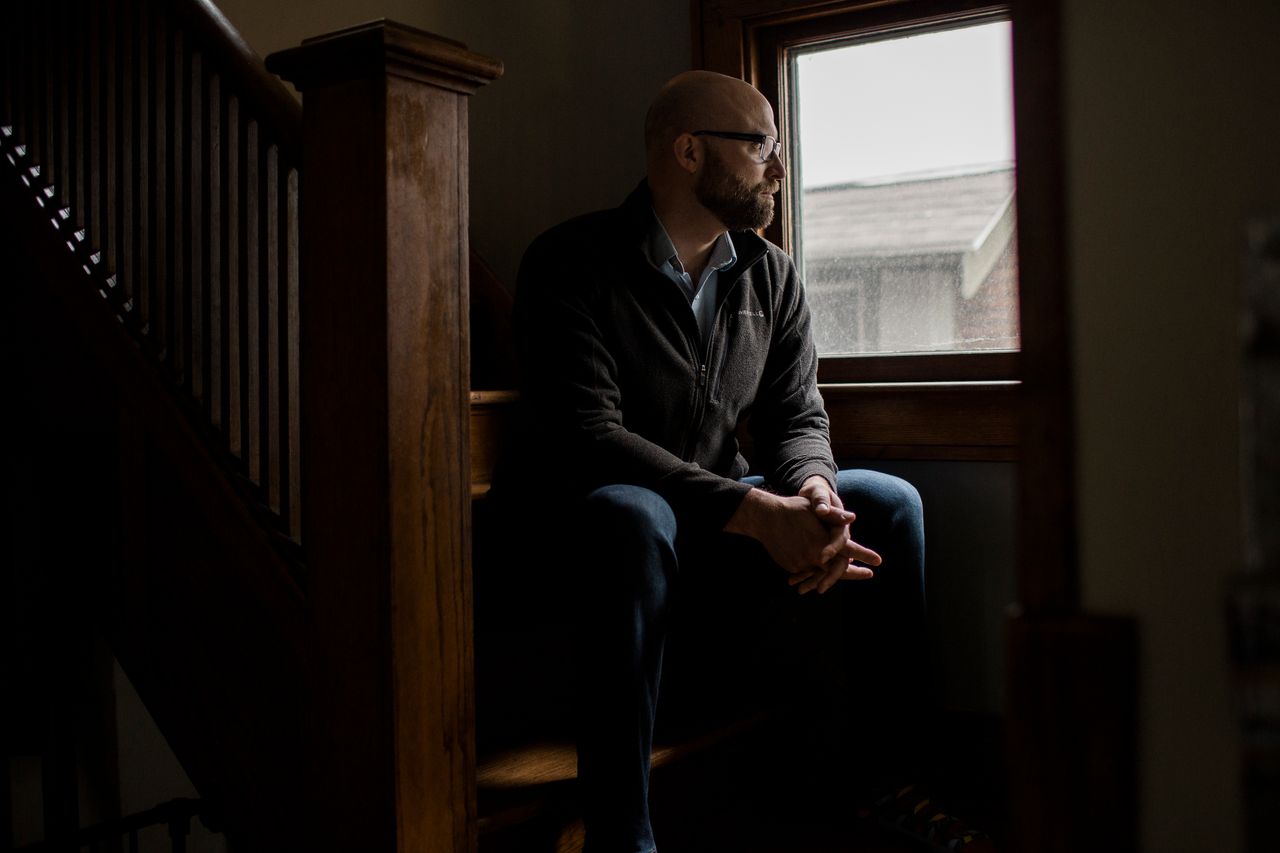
[
  {"x": 908, "y": 248},
  {"x": 901, "y": 153}
]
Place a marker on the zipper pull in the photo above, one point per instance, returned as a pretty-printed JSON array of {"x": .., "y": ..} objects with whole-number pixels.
[{"x": 702, "y": 376}]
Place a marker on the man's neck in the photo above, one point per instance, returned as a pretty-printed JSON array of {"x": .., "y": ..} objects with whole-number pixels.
[{"x": 693, "y": 232}]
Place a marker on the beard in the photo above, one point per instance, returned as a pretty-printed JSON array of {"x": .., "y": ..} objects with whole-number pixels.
[{"x": 737, "y": 204}]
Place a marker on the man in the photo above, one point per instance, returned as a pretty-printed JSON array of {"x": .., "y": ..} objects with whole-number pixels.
[{"x": 647, "y": 335}]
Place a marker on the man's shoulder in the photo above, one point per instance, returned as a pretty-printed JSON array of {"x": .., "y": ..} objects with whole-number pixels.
[
  {"x": 596, "y": 225},
  {"x": 599, "y": 227}
]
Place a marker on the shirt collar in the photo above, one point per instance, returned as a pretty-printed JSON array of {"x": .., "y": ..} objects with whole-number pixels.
[{"x": 660, "y": 250}]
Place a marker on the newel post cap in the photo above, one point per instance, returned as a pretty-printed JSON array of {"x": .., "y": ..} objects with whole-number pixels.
[{"x": 384, "y": 47}]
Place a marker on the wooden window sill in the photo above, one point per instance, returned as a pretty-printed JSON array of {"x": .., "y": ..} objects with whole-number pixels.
[{"x": 970, "y": 421}]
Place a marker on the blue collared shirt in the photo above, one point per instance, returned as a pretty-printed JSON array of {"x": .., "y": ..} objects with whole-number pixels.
[{"x": 701, "y": 296}]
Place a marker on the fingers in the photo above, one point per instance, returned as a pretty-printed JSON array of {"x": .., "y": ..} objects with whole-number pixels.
[
  {"x": 857, "y": 573},
  {"x": 836, "y": 539},
  {"x": 832, "y": 573},
  {"x": 854, "y": 551},
  {"x": 840, "y": 568},
  {"x": 833, "y": 513},
  {"x": 825, "y": 501},
  {"x": 842, "y": 546}
]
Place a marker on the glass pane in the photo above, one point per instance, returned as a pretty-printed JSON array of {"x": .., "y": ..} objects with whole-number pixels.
[{"x": 903, "y": 153}]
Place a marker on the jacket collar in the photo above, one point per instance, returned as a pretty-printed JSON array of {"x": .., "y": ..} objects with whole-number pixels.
[{"x": 637, "y": 210}]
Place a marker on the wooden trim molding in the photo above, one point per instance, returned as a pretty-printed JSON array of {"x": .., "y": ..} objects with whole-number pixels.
[
  {"x": 895, "y": 420},
  {"x": 995, "y": 366},
  {"x": 1048, "y": 578}
]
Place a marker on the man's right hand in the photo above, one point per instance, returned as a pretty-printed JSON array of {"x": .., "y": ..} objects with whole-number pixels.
[{"x": 798, "y": 540}]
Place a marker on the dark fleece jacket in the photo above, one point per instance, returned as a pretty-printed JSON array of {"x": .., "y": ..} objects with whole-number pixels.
[{"x": 619, "y": 387}]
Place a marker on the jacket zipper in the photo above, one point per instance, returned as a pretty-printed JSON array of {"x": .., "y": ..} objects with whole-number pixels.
[
  {"x": 701, "y": 361},
  {"x": 700, "y": 400}
]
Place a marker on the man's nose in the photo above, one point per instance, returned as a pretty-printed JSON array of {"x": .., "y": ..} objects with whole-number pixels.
[{"x": 776, "y": 169}]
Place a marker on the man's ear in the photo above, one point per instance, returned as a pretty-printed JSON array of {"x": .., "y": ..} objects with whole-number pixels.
[{"x": 688, "y": 152}]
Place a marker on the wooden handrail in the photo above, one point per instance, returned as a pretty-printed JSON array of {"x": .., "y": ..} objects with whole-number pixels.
[{"x": 271, "y": 101}]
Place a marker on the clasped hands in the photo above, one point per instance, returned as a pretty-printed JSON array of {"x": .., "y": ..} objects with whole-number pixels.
[{"x": 807, "y": 535}]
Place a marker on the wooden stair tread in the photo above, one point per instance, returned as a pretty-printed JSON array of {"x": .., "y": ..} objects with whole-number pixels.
[{"x": 521, "y": 783}]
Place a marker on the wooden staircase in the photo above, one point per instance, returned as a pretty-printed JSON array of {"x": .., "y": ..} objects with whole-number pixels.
[{"x": 279, "y": 303}]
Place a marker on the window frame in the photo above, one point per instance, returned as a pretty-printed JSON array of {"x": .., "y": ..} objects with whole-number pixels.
[{"x": 957, "y": 405}]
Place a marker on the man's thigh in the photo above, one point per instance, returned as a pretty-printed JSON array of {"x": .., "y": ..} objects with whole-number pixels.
[
  {"x": 741, "y": 626},
  {"x": 742, "y": 638}
]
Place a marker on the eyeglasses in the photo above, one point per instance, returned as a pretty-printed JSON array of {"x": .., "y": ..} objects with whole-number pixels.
[{"x": 765, "y": 146}]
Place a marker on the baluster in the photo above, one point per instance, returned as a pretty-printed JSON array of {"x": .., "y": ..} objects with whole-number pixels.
[
  {"x": 202, "y": 155},
  {"x": 34, "y": 90},
  {"x": 93, "y": 114},
  {"x": 179, "y": 222},
  {"x": 13, "y": 56},
  {"x": 27, "y": 51},
  {"x": 61, "y": 15},
  {"x": 139, "y": 129},
  {"x": 270, "y": 216},
  {"x": 6, "y": 78},
  {"x": 192, "y": 248},
  {"x": 213, "y": 350},
  {"x": 252, "y": 318},
  {"x": 26, "y": 83},
  {"x": 80, "y": 117},
  {"x": 124, "y": 232},
  {"x": 97, "y": 93},
  {"x": 107, "y": 243},
  {"x": 245, "y": 254},
  {"x": 161, "y": 212},
  {"x": 230, "y": 230},
  {"x": 47, "y": 148},
  {"x": 288, "y": 364}
]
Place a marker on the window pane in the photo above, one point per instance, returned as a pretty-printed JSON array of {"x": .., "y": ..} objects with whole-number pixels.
[{"x": 903, "y": 156}]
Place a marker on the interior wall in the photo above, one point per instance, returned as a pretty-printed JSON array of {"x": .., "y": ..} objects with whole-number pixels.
[
  {"x": 1172, "y": 139},
  {"x": 969, "y": 578},
  {"x": 560, "y": 132}
]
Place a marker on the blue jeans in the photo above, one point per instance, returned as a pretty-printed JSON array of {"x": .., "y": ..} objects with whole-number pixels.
[{"x": 638, "y": 578}]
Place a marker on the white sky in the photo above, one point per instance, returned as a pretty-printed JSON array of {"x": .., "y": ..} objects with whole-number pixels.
[{"x": 933, "y": 101}]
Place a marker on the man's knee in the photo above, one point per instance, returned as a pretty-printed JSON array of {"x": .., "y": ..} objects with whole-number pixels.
[
  {"x": 630, "y": 513},
  {"x": 881, "y": 498},
  {"x": 630, "y": 539}
]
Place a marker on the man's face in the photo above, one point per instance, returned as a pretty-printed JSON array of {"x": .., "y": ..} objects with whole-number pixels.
[{"x": 736, "y": 197}]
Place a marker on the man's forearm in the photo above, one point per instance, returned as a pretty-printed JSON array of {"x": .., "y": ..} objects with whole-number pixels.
[{"x": 749, "y": 519}]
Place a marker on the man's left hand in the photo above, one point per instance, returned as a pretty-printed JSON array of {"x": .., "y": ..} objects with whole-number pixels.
[{"x": 826, "y": 505}]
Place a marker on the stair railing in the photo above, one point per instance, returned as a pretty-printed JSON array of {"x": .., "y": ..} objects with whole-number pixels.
[{"x": 166, "y": 156}]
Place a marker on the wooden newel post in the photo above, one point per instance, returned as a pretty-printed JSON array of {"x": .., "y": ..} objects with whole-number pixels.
[{"x": 384, "y": 389}]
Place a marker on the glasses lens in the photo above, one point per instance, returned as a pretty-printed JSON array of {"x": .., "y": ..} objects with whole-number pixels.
[{"x": 768, "y": 146}]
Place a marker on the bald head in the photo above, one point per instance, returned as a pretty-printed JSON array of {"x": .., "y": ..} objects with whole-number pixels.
[
  {"x": 698, "y": 100},
  {"x": 705, "y": 184}
]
